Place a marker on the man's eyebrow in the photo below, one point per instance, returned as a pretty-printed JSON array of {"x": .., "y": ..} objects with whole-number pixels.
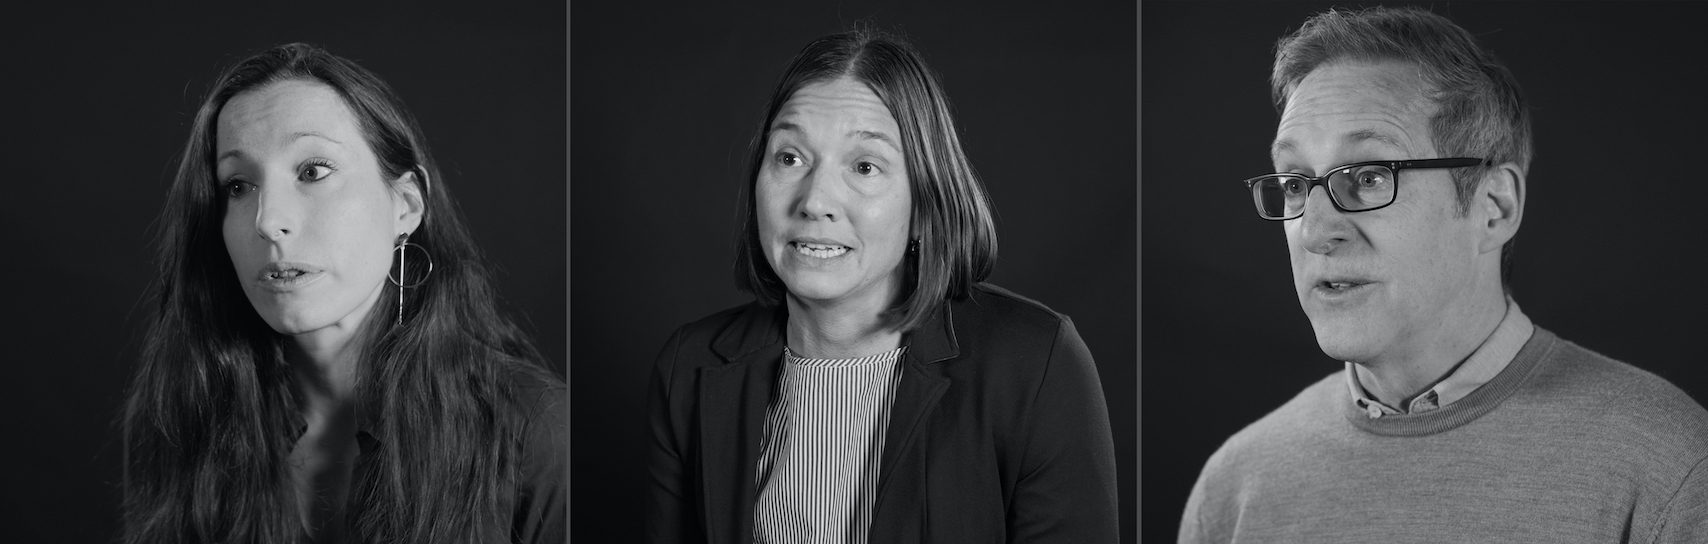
[
  {"x": 1279, "y": 147},
  {"x": 1354, "y": 137},
  {"x": 785, "y": 126},
  {"x": 1364, "y": 135}
]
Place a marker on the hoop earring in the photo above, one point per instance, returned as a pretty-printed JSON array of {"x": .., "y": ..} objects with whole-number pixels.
[{"x": 401, "y": 249}]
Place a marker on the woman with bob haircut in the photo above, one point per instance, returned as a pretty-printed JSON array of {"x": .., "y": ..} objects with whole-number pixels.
[
  {"x": 875, "y": 390},
  {"x": 327, "y": 363}
]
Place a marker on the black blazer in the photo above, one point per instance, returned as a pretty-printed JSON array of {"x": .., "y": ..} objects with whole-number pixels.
[{"x": 998, "y": 433}]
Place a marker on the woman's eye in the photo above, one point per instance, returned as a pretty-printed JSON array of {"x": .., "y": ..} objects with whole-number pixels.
[
  {"x": 788, "y": 159},
  {"x": 235, "y": 189},
  {"x": 315, "y": 172},
  {"x": 866, "y": 169}
]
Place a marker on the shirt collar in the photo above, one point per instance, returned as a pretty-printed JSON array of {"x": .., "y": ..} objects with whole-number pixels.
[
  {"x": 367, "y": 420},
  {"x": 1483, "y": 365}
]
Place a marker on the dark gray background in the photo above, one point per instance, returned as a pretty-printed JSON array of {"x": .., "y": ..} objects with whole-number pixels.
[
  {"x": 1608, "y": 255},
  {"x": 664, "y": 101},
  {"x": 97, "y": 103}
]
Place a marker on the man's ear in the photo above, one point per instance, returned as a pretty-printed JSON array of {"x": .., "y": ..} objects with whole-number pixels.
[
  {"x": 1499, "y": 207},
  {"x": 409, "y": 203}
]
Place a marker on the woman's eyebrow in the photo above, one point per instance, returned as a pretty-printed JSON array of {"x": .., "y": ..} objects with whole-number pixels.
[
  {"x": 875, "y": 135},
  {"x": 294, "y": 137},
  {"x": 300, "y": 135}
]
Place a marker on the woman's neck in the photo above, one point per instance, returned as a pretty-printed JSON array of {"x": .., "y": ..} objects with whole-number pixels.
[
  {"x": 823, "y": 332},
  {"x": 325, "y": 361}
]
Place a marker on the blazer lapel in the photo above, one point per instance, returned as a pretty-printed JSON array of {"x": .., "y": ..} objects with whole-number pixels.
[
  {"x": 733, "y": 398},
  {"x": 919, "y": 390}
]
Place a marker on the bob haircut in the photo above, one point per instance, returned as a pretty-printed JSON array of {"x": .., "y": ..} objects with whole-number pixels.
[
  {"x": 1480, "y": 109},
  {"x": 208, "y": 420},
  {"x": 951, "y": 220}
]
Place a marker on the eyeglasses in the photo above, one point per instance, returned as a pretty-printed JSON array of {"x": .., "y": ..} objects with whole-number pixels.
[{"x": 1356, "y": 187}]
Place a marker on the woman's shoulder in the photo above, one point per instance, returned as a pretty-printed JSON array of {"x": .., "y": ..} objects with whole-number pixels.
[
  {"x": 746, "y": 315},
  {"x": 732, "y": 331},
  {"x": 1008, "y": 345},
  {"x": 989, "y": 308},
  {"x": 540, "y": 397},
  {"x": 534, "y": 385}
]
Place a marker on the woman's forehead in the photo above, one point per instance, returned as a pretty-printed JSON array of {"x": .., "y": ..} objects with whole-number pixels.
[
  {"x": 281, "y": 113},
  {"x": 839, "y": 107}
]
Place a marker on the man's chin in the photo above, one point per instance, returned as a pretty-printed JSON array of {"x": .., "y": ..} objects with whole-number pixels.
[{"x": 1346, "y": 341}]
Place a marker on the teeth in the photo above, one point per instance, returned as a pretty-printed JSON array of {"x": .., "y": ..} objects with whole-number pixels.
[{"x": 821, "y": 251}]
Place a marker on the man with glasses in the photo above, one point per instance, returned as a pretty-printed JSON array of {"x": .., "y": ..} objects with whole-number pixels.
[{"x": 1401, "y": 157}]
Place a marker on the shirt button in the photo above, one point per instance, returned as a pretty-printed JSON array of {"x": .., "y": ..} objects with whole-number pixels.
[{"x": 1375, "y": 411}]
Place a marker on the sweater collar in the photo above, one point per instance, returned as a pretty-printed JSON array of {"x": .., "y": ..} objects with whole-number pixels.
[
  {"x": 1484, "y": 363},
  {"x": 1531, "y": 359}
]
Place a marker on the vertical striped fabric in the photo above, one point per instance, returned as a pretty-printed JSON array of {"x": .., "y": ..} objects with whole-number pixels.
[{"x": 823, "y": 435}]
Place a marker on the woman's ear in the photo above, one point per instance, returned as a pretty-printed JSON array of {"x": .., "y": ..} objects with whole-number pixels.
[{"x": 410, "y": 201}]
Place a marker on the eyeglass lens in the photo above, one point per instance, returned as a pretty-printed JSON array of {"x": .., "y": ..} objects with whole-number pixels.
[{"x": 1354, "y": 189}]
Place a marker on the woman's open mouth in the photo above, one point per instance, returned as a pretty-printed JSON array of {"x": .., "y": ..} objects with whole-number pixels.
[
  {"x": 819, "y": 251},
  {"x": 283, "y": 276}
]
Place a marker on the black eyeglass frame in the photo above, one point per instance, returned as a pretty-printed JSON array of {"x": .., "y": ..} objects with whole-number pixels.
[{"x": 1312, "y": 182}]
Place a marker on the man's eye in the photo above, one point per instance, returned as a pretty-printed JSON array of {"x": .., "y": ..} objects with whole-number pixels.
[
  {"x": 788, "y": 159},
  {"x": 1371, "y": 179},
  {"x": 1293, "y": 186},
  {"x": 866, "y": 169},
  {"x": 235, "y": 189},
  {"x": 315, "y": 172}
]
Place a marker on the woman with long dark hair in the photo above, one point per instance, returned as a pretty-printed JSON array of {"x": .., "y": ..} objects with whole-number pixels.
[
  {"x": 327, "y": 362},
  {"x": 876, "y": 390}
]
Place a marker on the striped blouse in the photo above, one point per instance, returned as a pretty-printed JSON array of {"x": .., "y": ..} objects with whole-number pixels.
[{"x": 818, "y": 459}]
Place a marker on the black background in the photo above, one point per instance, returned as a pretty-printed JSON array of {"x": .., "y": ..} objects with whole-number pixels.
[
  {"x": 664, "y": 102},
  {"x": 1607, "y": 257},
  {"x": 97, "y": 106}
]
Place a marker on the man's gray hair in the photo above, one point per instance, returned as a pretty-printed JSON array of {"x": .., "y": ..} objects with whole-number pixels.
[{"x": 1480, "y": 110}]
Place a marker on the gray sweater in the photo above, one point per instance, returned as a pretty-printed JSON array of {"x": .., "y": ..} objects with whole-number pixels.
[{"x": 1564, "y": 446}]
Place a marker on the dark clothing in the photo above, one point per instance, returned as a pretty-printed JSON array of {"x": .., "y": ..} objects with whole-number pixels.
[
  {"x": 998, "y": 432},
  {"x": 537, "y": 508}
]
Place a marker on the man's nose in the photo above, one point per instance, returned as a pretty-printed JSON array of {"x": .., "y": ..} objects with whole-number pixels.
[{"x": 1323, "y": 228}]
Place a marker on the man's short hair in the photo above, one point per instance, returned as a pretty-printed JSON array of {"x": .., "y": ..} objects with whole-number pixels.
[{"x": 1480, "y": 110}]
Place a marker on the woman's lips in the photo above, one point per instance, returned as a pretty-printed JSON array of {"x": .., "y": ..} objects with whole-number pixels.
[
  {"x": 819, "y": 250},
  {"x": 284, "y": 276}
]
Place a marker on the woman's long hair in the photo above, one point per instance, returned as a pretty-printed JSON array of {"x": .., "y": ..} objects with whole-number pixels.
[{"x": 208, "y": 419}]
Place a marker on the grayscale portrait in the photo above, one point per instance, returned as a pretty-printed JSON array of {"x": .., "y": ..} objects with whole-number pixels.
[
  {"x": 854, "y": 276},
  {"x": 1412, "y": 208}
]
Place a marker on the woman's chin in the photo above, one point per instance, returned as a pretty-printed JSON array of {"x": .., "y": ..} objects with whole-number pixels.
[
  {"x": 293, "y": 323},
  {"x": 820, "y": 290},
  {"x": 296, "y": 317}
]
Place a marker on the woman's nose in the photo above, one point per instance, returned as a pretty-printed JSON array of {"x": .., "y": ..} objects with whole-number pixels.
[
  {"x": 818, "y": 199},
  {"x": 276, "y": 211}
]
